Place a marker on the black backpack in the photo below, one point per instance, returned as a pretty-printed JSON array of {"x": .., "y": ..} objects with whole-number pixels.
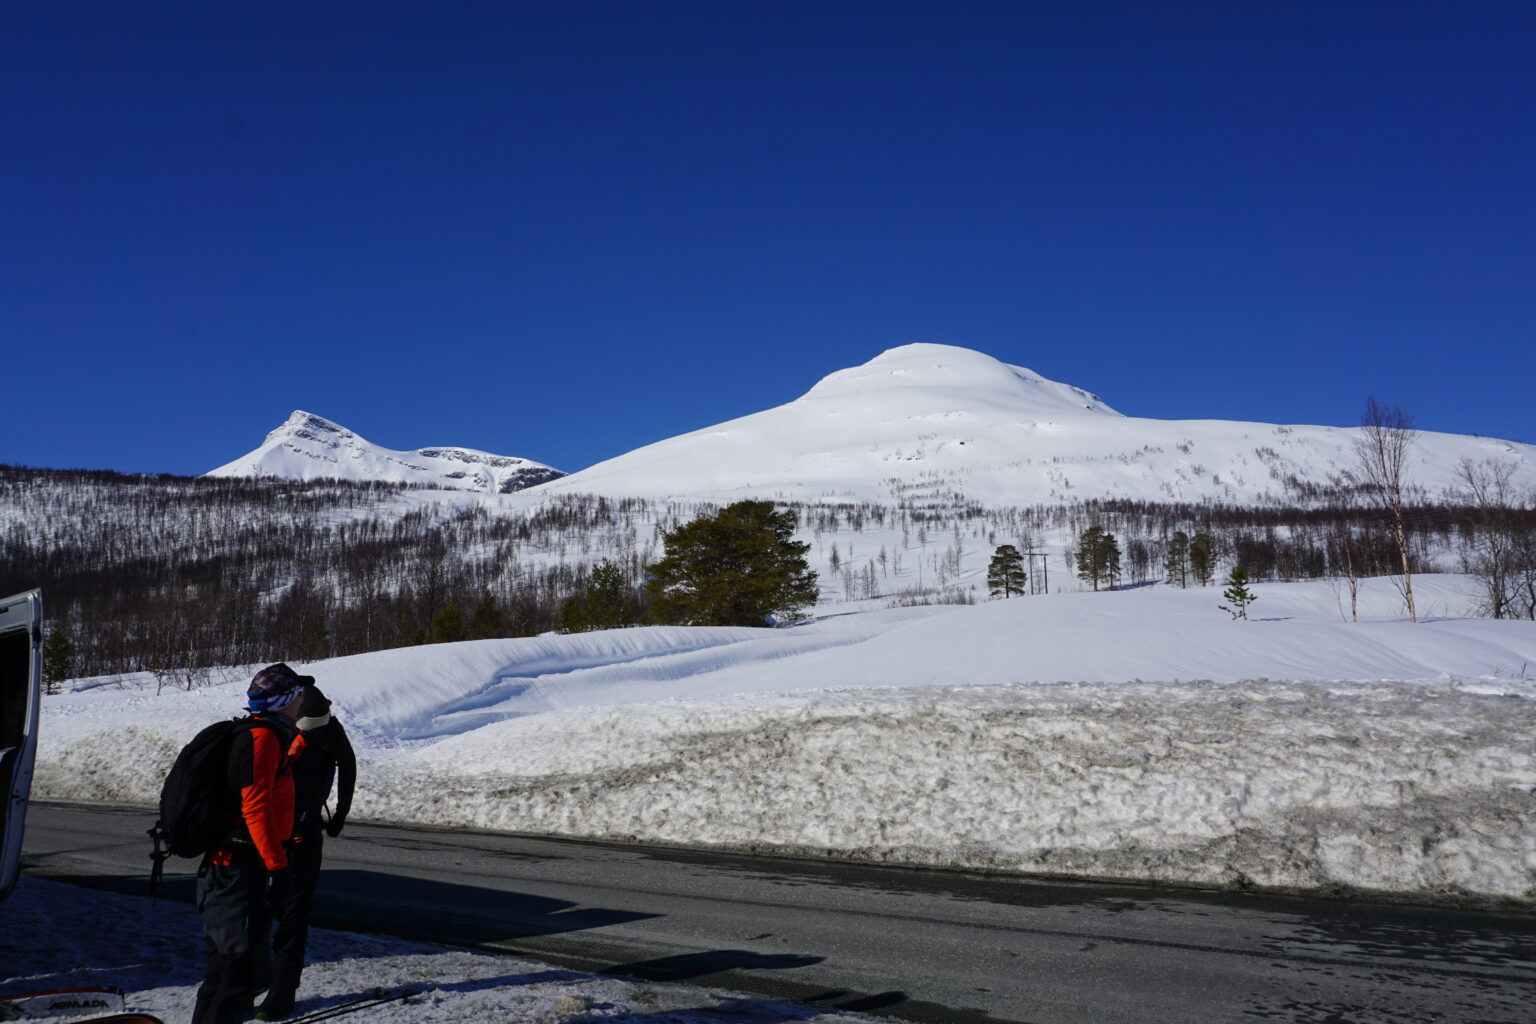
[{"x": 197, "y": 801}]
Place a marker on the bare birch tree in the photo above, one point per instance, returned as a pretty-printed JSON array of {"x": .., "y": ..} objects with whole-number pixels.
[
  {"x": 1491, "y": 552},
  {"x": 1381, "y": 450},
  {"x": 1344, "y": 541}
]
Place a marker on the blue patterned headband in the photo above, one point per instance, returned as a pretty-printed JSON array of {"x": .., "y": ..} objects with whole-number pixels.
[{"x": 274, "y": 688}]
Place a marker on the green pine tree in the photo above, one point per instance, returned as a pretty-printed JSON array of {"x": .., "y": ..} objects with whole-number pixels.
[
  {"x": 1005, "y": 573},
  {"x": 1087, "y": 555},
  {"x": 610, "y": 602},
  {"x": 1238, "y": 593},
  {"x": 1176, "y": 565},
  {"x": 1109, "y": 555},
  {"x": 410, "y": 634},
  {"x": 1098, "y": 557},
  {"x": 606, "y": 603},
  {"x": 58, "y": 658},
  {"x": 448, "y": 625},
  {"x": 737, "y": 567},
  {"x": 574, "y": 617},
  {"x": 1202, "y": 558},
  {"x": 485, "y": 623}
]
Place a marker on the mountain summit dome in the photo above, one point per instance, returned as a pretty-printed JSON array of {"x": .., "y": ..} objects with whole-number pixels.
[
  {"x": 940, "y": 375},
  {"x": 912, "y": 418}
]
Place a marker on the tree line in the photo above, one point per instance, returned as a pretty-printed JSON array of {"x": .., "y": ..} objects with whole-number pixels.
[
  {"x": 172, "y": 574},
  {"x": 175, "y": 575}
]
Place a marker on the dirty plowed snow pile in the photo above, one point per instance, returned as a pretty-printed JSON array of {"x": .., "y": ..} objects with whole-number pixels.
[{"x": 1391, "y": 786}]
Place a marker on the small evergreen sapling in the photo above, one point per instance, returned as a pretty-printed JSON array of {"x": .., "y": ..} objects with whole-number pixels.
[{"x": 1238, "y": 593}]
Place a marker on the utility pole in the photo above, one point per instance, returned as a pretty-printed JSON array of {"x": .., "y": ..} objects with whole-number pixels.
[{"x": 1039, "y": 582}]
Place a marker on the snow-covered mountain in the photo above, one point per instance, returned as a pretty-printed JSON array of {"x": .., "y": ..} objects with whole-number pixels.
[
  {"x": 309, "y": 447},
  {"x": 930, "y": 423},
  {"x": 927, "y": 424}
]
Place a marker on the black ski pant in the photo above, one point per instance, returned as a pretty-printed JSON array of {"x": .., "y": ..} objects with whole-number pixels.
[
  {"x": 232, "y": 901},
  {"x": 291, "y": 907}
]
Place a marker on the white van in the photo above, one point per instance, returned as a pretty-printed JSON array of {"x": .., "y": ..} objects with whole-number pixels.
[{"x": 21, "y": 664}]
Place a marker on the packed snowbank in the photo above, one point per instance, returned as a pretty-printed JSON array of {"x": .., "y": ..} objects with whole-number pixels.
[
  {"x": 1298, "y": 751},
  {"x": 1402, "y": 788},
  {"x": 153, "y": 952}
]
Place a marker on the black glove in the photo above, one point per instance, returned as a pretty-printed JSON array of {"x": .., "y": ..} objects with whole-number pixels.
[{"x": 334, "y": 826}]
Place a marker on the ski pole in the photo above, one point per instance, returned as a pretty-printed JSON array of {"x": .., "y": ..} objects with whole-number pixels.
[
  {"x": 339, "y": 1009},
  {"x": 347, "y": 1007},
  {"x": 378, "y": 998}
]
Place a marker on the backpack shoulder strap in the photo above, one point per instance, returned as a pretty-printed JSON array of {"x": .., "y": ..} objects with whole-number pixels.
[{"x": 250, "y": 722}]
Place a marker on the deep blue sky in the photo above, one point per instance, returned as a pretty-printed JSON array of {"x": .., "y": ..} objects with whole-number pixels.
[{"x": 564, "y": 229}]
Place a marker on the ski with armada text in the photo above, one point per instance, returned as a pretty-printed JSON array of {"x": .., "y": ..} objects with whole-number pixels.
[{"x": 62, "y": 1002}]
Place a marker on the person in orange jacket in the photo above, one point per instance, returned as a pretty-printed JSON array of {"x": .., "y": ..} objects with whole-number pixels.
[
  {"x": 328, "y": 759},
  {"x": 233, "y": 878}
]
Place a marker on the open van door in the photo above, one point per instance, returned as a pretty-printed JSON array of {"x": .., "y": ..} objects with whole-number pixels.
[{"x": 21, "y": 674}]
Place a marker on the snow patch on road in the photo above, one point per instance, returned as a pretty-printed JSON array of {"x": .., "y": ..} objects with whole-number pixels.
[{"x": 152, "y": 950}]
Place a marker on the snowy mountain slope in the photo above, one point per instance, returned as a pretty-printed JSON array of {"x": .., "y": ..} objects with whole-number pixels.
[
  {"x": 1300, "y": 750},
  {"x": 926, "y": 423},
  {"x": 309, "y": 447}
]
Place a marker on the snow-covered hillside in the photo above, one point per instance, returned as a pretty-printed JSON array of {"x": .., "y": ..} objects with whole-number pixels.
[
  {"x": 1139, "y": 734},
  {"x": 934, "y": 423},
  {"x": 309, "y": 447}
]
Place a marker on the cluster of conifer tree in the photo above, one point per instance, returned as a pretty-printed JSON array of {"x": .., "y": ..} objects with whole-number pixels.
[{"x": 1326, "y": 534}]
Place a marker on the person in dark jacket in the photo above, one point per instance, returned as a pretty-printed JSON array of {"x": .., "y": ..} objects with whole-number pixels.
[
  {"x": 234, "y": 875},
  {"x": 327, "y": 760}
]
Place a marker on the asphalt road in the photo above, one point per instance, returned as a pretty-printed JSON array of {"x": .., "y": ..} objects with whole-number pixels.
[{"x": 921, "y": 945}]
